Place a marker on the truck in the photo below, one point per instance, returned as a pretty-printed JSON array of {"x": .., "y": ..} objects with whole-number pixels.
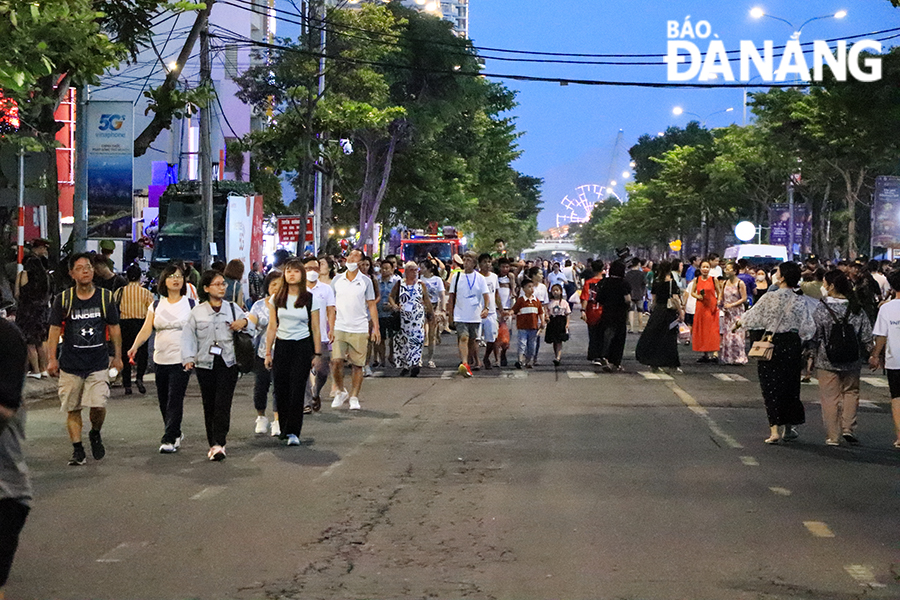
[
  {"x": 417, "y": 244},
  {"x": 237, "y": 225}
]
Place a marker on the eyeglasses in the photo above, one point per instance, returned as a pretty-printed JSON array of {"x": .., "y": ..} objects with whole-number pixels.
[
  {"x": 218, "y": 283},
  {"x": 175, "y": 276},
  {"x": 82, "y": 268}
]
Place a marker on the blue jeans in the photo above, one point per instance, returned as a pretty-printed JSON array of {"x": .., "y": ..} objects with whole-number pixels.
[{"x": 528, "y": 343}]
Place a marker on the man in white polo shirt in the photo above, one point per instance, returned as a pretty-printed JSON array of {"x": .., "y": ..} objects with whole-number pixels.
[
  {"x": 467, "y": 306},
  {"x": 325, "y": 295},
  {"x": 354, "y": 298}
]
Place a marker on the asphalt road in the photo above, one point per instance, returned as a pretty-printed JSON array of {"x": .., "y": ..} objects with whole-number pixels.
[{"x": 563, "y": 483}]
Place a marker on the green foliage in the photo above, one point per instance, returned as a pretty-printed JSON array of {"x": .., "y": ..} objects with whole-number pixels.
[
  {"x": 220, "y": 188},
  {"x": 650, "y": 147}
]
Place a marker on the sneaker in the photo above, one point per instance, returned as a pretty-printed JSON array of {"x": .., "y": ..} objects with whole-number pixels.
[
  {"x": 791, "y": 433},
  {"x": 367, "y": 371},
  {"x": 503, "y": 362},
  {"x": 340, "y": 399},
  {"x": 530, "y": 365},
  {"x": 78, "y": 457},
  {"x": 98, "y": 451},
  {"x": 597, "y": 362},
  {"x": 140, "y": 386},
  {"x": 178, "y": 441},
  {"x": 293, "y": 440},
  {"x": 276, "y": 429},
  {"x": 217, "y": 453},
  {"x": 45, "y": 374},
  {"x": 34, "y": 375},
  {"x": 431, "y": 365},
  {"x": 404, "y": 372},
  {"x": 317, "y": 404},
  {"x": 166, "y": 448},
  {"x": 830, "y": 442},
  {"x": 262, "y": 425},
  {"x": 518, "y": 364},
  {"x": 414, "y": 372},
  {"x": 851, "y": 439},
  {"x": 556, "y": 362},
  {"x": 354, "y": 403},
  {"x": 464, "y": 370},
  {"x": 307, "y": 410}
]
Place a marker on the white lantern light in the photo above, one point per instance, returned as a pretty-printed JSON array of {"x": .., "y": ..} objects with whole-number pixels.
[{"x": 745, "y": 231}]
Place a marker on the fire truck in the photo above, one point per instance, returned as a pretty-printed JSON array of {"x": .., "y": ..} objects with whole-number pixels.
[{"x": 440, "y": 243}]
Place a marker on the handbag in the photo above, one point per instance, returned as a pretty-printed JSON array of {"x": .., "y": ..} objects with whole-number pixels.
[
  {"x": 244, "y": 351},
  {"x": 764, "y": 348},
  {"x": 672, "y": 303}
]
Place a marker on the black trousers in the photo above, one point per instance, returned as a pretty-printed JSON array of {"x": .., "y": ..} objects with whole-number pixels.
[
  {"x": 171, "y": 384},
  {"x": 779, "y": 379},
  {"x": 12, "y": 519},
  {"x": 262, "y": 385},
  {"x": 217, "y": 391},
  {"x": 291, "y": 364},
  {"x": 595, "y": 341},
  {"x": 614, "y": 336},
  {"x": 130, "y": 330}
]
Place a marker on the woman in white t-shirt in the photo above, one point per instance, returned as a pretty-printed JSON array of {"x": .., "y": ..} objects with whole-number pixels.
[{"x": 167, "y": 317}]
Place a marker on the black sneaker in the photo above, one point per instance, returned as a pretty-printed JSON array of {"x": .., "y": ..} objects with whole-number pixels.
[
  {"x": 414, "y": 372},
  {"x": 98, "y": 450},
  {"x": 503, "y": 362},
  {"x": 851, "y": 439},
  {"x": 140, "y": 387},
  {"x": 78, "y": 457}
]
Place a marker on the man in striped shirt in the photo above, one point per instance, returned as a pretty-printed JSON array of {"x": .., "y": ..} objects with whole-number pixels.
[{"x": 133, "y": 301}]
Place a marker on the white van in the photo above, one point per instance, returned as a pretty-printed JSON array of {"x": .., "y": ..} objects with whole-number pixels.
[{"x": 757, "y": 253}]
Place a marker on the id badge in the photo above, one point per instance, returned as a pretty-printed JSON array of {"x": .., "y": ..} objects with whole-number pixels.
[
  {"x": 473, "y": 300},
  {"x": 215, "y": 350}
]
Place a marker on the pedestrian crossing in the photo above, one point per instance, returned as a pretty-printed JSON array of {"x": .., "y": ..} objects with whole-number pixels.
[{"x": 877, "y": 382}]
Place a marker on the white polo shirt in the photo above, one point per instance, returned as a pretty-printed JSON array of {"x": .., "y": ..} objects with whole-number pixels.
[
  {"x": 325, "y": 295},
  {"x": 350, "y": 297}
]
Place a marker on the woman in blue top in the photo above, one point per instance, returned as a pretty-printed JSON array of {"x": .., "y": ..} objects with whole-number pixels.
[{"x": 294, "y": 321}]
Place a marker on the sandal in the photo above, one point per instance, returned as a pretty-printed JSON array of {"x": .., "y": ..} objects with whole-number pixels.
[{"x": 317, "y": 404}]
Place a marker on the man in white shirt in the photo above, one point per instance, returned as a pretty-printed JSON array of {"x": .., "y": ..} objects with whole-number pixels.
[
  {"x": 887, "y": 334},
  {"x": 467, "y": 306},
  {"x": 715, "y": 267},
  {"x": 325, "y": 296},
  {"x": 490, "y": 325},
  {"x": 348, "y": 332}
]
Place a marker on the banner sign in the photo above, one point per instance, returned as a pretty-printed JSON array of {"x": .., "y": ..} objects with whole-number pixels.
[
  {"x": 289, "y": 229},
  {"x": 110, "y": 160},
  {"x": 886, "y": 213},
  {"x": 779, "y": 221},
  {"x": 239, "y": 232}
]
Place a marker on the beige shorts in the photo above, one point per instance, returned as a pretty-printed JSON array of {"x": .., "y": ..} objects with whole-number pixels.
[
  {"x": 77, "y": 392},
  {"x": 350, "y": 346}
]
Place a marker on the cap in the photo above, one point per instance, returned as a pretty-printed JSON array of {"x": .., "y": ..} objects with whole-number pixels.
[
  {"x": 40, "y": 242},
  {"x": 457, "y": 259},
  {"x": 107, "y": 245}
]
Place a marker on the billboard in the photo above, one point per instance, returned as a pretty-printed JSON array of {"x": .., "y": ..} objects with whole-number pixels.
[
  {"x": 239, "y": 231},
  {"x": 110, "y": 161},
  {"x": 886, "y": 213},
  {"x": 779, "y": 232}
]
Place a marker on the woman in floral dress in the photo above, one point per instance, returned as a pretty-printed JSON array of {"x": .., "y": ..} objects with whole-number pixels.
[
  {"x": 410, "y": 298},
  {"x": 734, "y": 296}
]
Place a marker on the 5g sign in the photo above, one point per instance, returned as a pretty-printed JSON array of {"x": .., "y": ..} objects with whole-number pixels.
[{"x": 111, "y": 122}]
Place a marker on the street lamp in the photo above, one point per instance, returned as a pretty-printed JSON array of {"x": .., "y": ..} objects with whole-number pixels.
[
  {"x": 758, "y": 13},
  {"x": 678, "y": 111}
]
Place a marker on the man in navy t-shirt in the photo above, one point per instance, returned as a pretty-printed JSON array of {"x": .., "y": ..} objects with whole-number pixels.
[{"x": 83, "y": 315}]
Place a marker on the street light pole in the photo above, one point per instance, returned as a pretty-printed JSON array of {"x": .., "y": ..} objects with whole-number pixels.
[{"x": 206, "y": 198}]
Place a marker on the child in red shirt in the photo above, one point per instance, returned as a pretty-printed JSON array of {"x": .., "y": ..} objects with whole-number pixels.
[{"x": 529, "y": 317}]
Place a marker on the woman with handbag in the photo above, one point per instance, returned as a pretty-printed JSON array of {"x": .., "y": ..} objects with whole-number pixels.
[
  {"x": 843, "y": 338},
  {"x": 294, "y": 322},
  {"x": 706, "y": 338},
  {"x": 658, "y": 344},
  {"x": 783, "y": 319},
  {"x": 207, "y": 343}
]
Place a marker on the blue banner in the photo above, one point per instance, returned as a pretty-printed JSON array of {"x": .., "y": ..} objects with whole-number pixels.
[{"x": 110, "y": 159}]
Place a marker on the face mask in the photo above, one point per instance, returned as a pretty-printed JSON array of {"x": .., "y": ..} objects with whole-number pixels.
[
  {"x": 352, "y": 266},
  {"x": 312, "y": 276},
  {"x": 824, "y": 291},
  {"x": 760, "y": 278}
]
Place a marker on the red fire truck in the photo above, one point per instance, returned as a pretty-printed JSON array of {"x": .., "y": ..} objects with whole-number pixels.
[{"x": 440, "y": 243}]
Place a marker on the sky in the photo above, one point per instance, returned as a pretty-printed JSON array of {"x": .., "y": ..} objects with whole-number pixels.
[{"x": 570, "y": 132}]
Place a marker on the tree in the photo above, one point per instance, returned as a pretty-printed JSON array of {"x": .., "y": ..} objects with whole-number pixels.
[
  {"x": 593, "y": 236},
  {"x": 650, "y": 147}
]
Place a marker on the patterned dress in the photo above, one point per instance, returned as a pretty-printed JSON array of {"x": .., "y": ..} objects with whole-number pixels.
[
  {"x": 733, "y": 350},
  {"x": 411, "y": 338}
]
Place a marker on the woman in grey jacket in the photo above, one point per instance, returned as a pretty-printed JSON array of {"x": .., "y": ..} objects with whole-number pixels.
[
  {"x": 207, "y": 343},
  {"x": 839, "y": 381}
]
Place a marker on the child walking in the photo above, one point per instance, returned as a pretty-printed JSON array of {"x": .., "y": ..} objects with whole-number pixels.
[
  {"x": 558, "y": 323},
  {"x": 529, "y": 318}
]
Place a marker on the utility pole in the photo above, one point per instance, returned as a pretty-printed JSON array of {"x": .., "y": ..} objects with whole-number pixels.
[
  {"x": 206, "y": 198},
  {"x": 790, "y": 195},
  {"x": 80, "y": 199},
  {"x": 318, "y": 239}
]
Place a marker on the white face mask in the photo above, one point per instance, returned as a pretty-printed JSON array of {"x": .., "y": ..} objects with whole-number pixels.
[
  {"x": 352, "y": 266},
  {"x": 824, "y": 291},
  {"x": 312, "y": 276}
]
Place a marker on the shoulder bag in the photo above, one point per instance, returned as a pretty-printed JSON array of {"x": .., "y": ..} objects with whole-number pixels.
[
  {"x": 244, "y": 351},
  {"x": 765, "y": 347}
]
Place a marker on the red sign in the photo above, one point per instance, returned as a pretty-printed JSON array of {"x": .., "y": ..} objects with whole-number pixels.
[
  {"x": 310, "y": 238},
  {"x": 289, "y": 229}
]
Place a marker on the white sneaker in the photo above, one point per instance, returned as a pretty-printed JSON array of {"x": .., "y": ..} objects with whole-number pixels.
[
  {"x": 262, "y": 424},
  {"x": 276, "y": 429},
  {"x": 367, "y": 371},
  {"x": 167, "y": 448},
  {"x": 431, "y": 365},
  {"x": 293, "y": 440},
  {"x": 45, "y": 374},
  {"x": 340, "y": 399},
  {"x": 34, "y": 375},
  {"x": 354, "y": 403},
  {"x": 178, "y": 441}
]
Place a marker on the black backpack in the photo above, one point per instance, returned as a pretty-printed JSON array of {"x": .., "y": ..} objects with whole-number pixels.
[{"x": 842, "y": 343}]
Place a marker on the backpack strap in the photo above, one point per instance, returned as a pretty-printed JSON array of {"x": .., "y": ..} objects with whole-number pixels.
[
  {"x": 156, "y": 304},
  {"x": 191, "y": 303}
]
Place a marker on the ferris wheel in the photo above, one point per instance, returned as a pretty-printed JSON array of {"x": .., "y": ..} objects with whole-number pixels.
[{"x": 579, "y": 204}]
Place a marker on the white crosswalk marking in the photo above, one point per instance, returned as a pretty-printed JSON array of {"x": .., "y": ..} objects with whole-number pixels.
[
  {"x": 582, "y": 375},
  {"x": 749, "y": 461},
  {"x": 875, "y": 381},
  {"x": 448, "y": 374},
  {"x": 869, "y": 404},
  {"x": 864, "y": 574},
  {"x": 513, "y": 375},
  {"x": 730, "y": 377},
  {"x": 656, "y": 376},
  {"x": 819, "y": 529}
]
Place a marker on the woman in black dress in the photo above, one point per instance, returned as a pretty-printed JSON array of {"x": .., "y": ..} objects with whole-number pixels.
[
  {"x": 33, "y": 313},
  {"x": 658, "y": 344}
]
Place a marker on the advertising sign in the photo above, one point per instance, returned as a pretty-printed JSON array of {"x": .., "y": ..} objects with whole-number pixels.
[
  {"x": 256, "y": 245},
  {"x": 779, "y": 220},
  {"x": 886, "y": 213},
  {"x": 239, "y": 231},
  {"x": 289, "y": 229},
  {"x": 110, "y": 159}
]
